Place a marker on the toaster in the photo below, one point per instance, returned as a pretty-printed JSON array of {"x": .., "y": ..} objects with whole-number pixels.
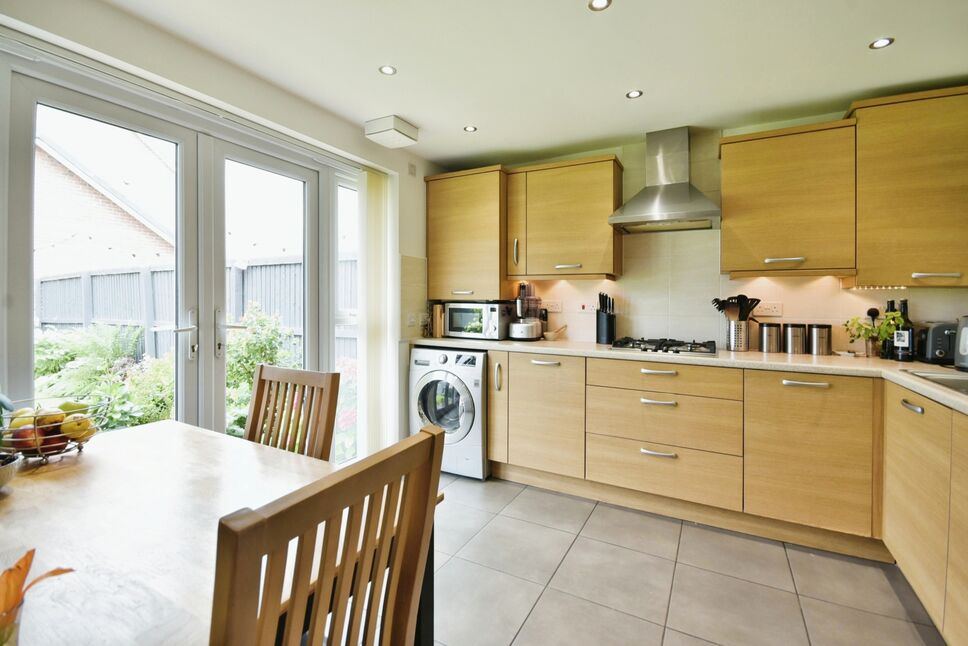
[{"x": 936, "y": 343}]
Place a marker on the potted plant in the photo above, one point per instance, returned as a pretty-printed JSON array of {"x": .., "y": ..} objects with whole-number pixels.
[
  {"x": 874, "y": 333},
  {"x": 13, "y": 587}
]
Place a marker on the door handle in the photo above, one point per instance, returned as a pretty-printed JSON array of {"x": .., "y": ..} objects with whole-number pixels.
[
  {"x": 462, "y": 292},
  {"x": 936, "y": 274},
  {"x": 576, "y": 265},
  {"x": 658, "y": 454},
  {"x": 657, "y": 402},
  {"x": 649, "y": 371},
  {"x": 191, "y": 329},
  {"x": 805, "y": 384},
  {"x": 515, "y": 251},
  {"x": 497, "y": 376},
  {"x": 914, "y": 408},
  {"x": 220, "y": 327},
  {"x": 538, "y": 362},
  {"x": 771, "y": 261}
]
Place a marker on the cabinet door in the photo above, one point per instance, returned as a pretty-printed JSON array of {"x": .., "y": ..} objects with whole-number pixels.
[
  {"x": 917, "y": 486},
  {"x": 809, "y": 449},
  {"x": 788, "y": 202},
  {"x": 568, "y": 209},
  {"x": 498, "y": 382},
  {"x": 465, "y": 222},
  {"x": 517, "y": 240},
  {"x": 956, "y": 605},
  {"x": 912, "y": 188},
  {"x": 547, "y": 413}
]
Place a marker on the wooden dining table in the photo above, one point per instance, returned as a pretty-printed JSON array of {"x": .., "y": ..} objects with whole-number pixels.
[{"x": 136, "y": 514}]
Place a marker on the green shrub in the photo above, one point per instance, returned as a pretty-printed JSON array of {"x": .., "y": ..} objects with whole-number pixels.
[{"x": 151, "y": 387}]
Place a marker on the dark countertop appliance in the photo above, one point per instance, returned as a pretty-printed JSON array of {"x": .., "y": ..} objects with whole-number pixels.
[{"x": 936, "y": 343}]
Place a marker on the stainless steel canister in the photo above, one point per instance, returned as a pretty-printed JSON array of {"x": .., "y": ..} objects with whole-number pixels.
[
  {"x": 739, "y": 336},
  {"x": 770, "y": 337},
  {"x": 795, "y": 338},
  {"x": 818, "y": 336}
]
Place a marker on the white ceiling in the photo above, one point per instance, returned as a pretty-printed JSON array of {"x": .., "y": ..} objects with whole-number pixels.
[{"x": 543, "y": 77}]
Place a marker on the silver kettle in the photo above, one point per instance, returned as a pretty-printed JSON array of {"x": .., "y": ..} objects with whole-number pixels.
[{"x": 961, "y": 344}]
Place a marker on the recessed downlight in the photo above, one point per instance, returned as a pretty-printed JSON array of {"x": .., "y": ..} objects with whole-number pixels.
[
  {"x": 388, "y": 70},
  {"x": 599, "y": 5},
  {"x": 881, "y": 43},
  {"x": 633, "y": 94},
  {"x": 470, "y": 128}
]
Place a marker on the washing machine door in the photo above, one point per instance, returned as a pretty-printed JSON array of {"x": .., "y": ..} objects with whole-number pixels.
[{"x": 444, "y": 400}]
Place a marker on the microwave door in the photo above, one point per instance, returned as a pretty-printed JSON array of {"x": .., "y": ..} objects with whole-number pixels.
[{"x": 465, "y": 322}]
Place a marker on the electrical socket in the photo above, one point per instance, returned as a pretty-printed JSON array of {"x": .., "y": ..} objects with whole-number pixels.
[
  {"x": 412, "y": 319},
  {"x": 552, "y": 306},
  {"x": 768, "y": 309},
  {"x": 586, "y": 307}
]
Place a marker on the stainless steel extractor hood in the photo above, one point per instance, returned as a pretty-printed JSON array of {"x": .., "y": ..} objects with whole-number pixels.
[{"x": 668, "y": 202}]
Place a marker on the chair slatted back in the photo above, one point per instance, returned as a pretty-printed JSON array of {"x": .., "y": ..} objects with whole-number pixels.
[
  {"x": 293, "y": 410},
  {"x": 343, "y": 557}
]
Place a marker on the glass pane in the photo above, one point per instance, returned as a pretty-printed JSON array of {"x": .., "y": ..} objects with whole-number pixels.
[
  {"x": 105, "y": 219},
  {"x": 264, "y": 224},
  {"x": 440, "y": 404},
  {"x": 346, "y": 435}
]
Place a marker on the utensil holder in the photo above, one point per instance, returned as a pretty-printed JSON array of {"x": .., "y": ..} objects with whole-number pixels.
[
  {"x": 604, "y": 328},
  {"x": 738, "y": 339}
]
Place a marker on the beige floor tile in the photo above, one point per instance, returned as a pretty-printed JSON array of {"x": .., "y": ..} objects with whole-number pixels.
[
  {"x": 518, "y": 547},
  {"x": 636, "y": 530},
  {"x": 876, "y": 587},
  {"x": 490, "y": 495},
  {"x": 730, "y": 611},
  {"x": 833, "y": 625},
  {"x": 746, "y": 557},
  {"x": 477, "y": 606},
  {"x": 455, "y": 524},
  {"x": 675, "y": 638},
  {"x": 445, "y": 480},
  {"x": 551, "y": 509},
  {"x": 564, "y": 620},
  {"x": 623, "y": 579},
  {"x": 439, "y": 559}
]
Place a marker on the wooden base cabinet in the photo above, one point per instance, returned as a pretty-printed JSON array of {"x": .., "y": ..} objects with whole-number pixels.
[
  {"x": 498, "y": 383},
  {"x": 917, "y": 486},
  {"x": 546, "y": 427},
  {"x": 809, "y": 449},
  {"x": 956, "y": 603}
]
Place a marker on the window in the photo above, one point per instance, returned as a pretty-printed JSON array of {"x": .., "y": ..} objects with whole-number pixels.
[{"x": 348, "y": 340}]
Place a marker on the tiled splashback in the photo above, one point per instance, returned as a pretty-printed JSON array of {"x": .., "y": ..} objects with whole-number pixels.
[{"x": 670, "y": 279}]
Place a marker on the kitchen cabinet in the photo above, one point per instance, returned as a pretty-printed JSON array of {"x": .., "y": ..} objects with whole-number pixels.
[
  {"x": 517, "y": 238},
  {"x": 788, "y": 201},
  {"x": 917, "y": 487},
  {"x": 809, "y": 449},
  {"x": 568, "y": 204},
  {"x": 912, "y": 187},
  {"x": 683, "y": 379},
  {"x": 546, "y": 407},
  {"x": 498, "y": 382},
  {"x": 466, "y": 220},
  {"x": 956, "y": 603}
]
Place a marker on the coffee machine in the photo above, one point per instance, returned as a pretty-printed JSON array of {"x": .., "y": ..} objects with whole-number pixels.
[{"x": 527, "y": 326}]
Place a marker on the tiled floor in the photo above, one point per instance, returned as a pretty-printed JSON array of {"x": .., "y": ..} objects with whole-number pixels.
[{"x": 521, "y": 565}]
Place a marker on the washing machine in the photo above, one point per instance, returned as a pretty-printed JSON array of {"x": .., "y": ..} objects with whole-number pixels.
[{"x": 447, "y": 389}]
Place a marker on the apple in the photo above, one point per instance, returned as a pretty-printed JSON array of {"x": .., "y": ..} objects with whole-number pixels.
[
  {"x": 25, "y": 439},
  {"x": 52, "y": 440},
  {"x": 21, "y": 417},
  {"x": 78, "y": 427},
  {"x": 73, "y": 407}
]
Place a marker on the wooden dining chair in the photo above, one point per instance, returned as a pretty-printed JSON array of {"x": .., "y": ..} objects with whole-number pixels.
[
  {"x": 293, "y": 410},
  {"x": 340, "y": 560}
]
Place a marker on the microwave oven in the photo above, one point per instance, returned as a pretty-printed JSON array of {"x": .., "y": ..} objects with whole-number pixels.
[{"x": 477, "y": 320}]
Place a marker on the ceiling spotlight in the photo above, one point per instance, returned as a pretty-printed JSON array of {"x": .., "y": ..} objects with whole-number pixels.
[
  {"x": 881, "y": 43},
  {"x": 599, "y": 5},
  {"x": 470, "y": 128},
  {"x": 388, "y": 70},
  {"x": 633, "y": 94}
]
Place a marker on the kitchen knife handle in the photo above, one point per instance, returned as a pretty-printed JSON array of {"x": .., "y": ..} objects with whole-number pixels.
[
  {"x": 771, "y": 261},
  {"x": 576, "y": 265},
  {"x": 649, "y": 371},
  {"x": 462, "y": 292},
  {"x": 657, "y": 402},
  {"x": 515, "y": 252},
  {"x": 658, "y": 454},
  {"x": 914, "y": 408},
  {"x": 936, "y": 274},
  {"x": 545, "y": 363},
  {"x": 497, "y": 376},
  {"x": 806, "y": 384}
]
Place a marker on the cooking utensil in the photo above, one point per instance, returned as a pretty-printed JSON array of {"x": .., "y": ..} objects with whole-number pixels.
[{"x": 552, "y": 335}]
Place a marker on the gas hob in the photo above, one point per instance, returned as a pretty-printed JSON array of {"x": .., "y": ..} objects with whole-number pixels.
[{"x": 666, "y": 346}]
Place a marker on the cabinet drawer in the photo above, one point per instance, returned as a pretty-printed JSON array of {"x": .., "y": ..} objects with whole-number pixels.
[
  {"x": 725, "y": 383},
  {"x": 679, "y": 420},
  {"x": 698, "y": 476}
]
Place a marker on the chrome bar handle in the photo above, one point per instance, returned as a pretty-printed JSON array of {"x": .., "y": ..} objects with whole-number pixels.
[
  {"x": 538, "y": 362},
  {"x": 515, "y": 251},
  {"x": 576, "y": 265},
  {"x": 806, "y": 384},
  {"x": 657, "y": 402},
  {"x": 936, "y": 274},
  {"x": 497, "y": 376},
  {"x": 462, "y": 292},
  {"x": 771, "y": 261},
  {"x": 914, "y": 408},
  {"x": 649, "y": 371},
  {"x": 658, "y": 454},
  {"x": 191, "y": 328}
]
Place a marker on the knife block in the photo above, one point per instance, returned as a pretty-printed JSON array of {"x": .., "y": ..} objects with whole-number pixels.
[{"x": 604, "y": 328}]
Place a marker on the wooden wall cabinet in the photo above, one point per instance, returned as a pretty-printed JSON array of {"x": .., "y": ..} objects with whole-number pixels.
[
  {"x": 517, "y": 237},
  {"x": 466, "y": 221},
  {"x": 809, "y": 449},
  {"x": 912, "y": 188},
  {"x": 917, "y": 486},
  {"x": 788, "y": 201},
  {"x": 546, "y": 427},
  {"x": 498, "y": 383},
  {"x": 956, "y": 599}
]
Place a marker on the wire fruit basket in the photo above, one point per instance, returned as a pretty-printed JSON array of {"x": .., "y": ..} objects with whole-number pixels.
[{"x": 37, "y": 431}]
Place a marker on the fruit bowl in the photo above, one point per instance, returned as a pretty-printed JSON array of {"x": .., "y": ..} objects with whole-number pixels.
[
  {"x": 37, "y": 431},
  {"x": 8, "y": 467}
]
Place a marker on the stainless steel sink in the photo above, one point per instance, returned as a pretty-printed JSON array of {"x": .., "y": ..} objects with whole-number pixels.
[{"x": 957, "y": 381}]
